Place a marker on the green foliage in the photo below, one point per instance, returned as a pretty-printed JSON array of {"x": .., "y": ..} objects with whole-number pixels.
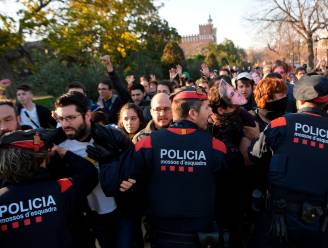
[
  {"x": 193, "y": 66},
  {"x": 173, "y": 54},
  {"x": 46, "y": 101},
  {"x": 225, "y": 53},
  {"x": 54, "y": 75},
  {"x": 211, "y": 61}
]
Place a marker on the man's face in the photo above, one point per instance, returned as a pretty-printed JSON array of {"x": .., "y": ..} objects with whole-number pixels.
[
  {"x": 281, "y": 71},
  {"x": 145, "y": 84},
  {"x": 8, "y": 119},
  {"x": 24, "y": 97},
  {"x": 161, "y": 111},
  {"x": 137, "y": 96},
  {"x": 300, "y": 74},
  {"x": 163, "y": 89},
  {"x": 244, "y": 88},
  {"x": 203, "y": 115},
  {"x": 74, "y": 124},
  {"x": 104, "y": 92}
]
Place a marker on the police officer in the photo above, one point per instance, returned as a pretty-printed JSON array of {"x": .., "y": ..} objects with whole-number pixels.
[
  {"x": 35, "y": 210},
  {"x": 179, "y": 167},
  {"x": 297, "y": 214}
]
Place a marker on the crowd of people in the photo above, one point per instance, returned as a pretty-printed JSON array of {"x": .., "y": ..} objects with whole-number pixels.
[{"x": 233, "y": 159}]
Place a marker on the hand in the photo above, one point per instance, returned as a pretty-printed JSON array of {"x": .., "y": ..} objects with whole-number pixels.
[
  {"x": 5, "y": 83},
  {"x": 130, "y": 79},
  {"x": 152, "y": 77},
  {"x": 173, "y": 73},
  {"x": 59, "y": 150},
  {"x": 106, "y": 61},
  {"x": 99, "y": 153},
  {"x": 252, "y": 132},
  {"x": 126, "y": 185},
  {"x": 204, "y": 70},
  {"x": 179, "y": 70}
]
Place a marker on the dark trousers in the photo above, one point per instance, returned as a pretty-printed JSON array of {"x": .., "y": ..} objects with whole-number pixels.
[
  {"x": 129, "y": 232},
  {"x": 104, "y": 227},
  {"x": 160, "y": 239},
  {"x": 299, "y": 235}
]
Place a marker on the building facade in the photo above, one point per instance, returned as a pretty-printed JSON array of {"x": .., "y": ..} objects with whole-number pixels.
[{"x": 195, "y": 44}]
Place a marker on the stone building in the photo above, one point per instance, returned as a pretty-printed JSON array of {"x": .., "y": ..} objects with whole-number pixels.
[{"x": 194, "y": 44}]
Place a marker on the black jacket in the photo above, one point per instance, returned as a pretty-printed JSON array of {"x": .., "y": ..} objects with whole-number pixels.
[
  {"x": 38, "y": 213},
  {"x": 44, "y": 114}
]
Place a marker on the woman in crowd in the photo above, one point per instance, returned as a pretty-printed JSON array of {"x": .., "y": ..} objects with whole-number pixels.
[
  {"x": 270, "y": 95},
  {"x": 131, "y": 119}
]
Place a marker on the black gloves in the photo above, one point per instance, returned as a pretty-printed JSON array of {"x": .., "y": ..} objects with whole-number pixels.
[
  {"x": 110, "y": 138},
  {"x": 99, "y": 153}
]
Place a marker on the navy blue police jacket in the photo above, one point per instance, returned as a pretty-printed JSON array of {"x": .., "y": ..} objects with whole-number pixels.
[
  {"x": 179, "y": 168},
  {"x": 298, "y": 144},
  {"x": 37, "y": 214}
]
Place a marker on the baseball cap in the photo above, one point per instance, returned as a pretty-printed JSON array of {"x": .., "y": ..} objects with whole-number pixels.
[
  {"x": 314, "y": 88},
  {"x": 244, "y": 75}
]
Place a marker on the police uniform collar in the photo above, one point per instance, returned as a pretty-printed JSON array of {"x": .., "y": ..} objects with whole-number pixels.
[
  {"x": 316, "y": 111},
  {"x": 183, "y": 124}
]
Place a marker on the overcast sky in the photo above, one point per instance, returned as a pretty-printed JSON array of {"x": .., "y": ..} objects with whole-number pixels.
[{"x": 185, "y": 15}]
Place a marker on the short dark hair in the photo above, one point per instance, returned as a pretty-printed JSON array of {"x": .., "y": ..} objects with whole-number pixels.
[
  {"x": 137, "y": 87},
  {"x": 76, "y": 84},
  {"x": 73, "y": 98},
  {"x": 24, "y": 87},
  {"x": 279, "y": 63},
  {"x": 181, "y": 107},
  {"x": 8, "y": 103},
  {"x": 167, "y": 84},
  {"x": 298, "y": 69},
  {"x": 107, "y": 82}
]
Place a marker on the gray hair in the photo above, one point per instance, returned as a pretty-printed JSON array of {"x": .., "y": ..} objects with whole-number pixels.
[{"x": 17, "y": 165}]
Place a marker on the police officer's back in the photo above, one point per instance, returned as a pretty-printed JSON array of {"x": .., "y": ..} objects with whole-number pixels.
[
  {"x": 35, "y": 211},
  {"x": 179, "y": 166},
  {"x": 298, "y": 191}
]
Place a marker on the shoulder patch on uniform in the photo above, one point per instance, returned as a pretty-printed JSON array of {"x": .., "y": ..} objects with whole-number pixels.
[
  {"x": 219, "y": 145},
  {"x": 143, "y": 143},
  {"x": 64, "y": 184},
  {"x": 279, "y": 122}
]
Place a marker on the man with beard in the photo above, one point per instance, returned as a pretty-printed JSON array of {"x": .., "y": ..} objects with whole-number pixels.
[
  {"x": 160, "y": 110},
  {"x": 295, "y": 145},
  {"x": 71, "y": 111}
]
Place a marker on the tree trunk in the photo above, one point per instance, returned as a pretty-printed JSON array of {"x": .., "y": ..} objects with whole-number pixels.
[{"x": 309, "y": 43}]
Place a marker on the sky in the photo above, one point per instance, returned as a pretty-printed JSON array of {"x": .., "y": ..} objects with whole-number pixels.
[
  {"x": 229, "y": 17},
  {"x": 185, "y": 15}
]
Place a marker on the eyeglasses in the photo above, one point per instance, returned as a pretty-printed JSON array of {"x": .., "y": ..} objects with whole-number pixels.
[
  {"x": 68, "y": 118},
  {"x": 165, "y": 109}
]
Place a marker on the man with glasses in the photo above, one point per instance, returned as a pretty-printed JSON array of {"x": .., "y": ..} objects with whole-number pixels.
[
  {"x": 108, "y": 102},
  {"x": 160, "y": 110},
  {"x": 71, "y": 111}
]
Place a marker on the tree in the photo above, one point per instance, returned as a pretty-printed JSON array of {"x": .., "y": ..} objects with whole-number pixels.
[
  {"x": 306, "y": 17},
  {"x": 173, "y": 54},
  {"x": 211, "y": 61}
]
